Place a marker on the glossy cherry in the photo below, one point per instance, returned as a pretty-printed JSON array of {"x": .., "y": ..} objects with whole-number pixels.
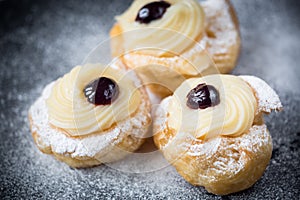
[
  {"x": 152, "y": 11},
  {"x": 203, "y": 96},
  {"x": 101, "y": 91}
]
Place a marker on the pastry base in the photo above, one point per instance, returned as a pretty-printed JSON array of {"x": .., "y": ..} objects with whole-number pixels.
[
  {"x": 173, "y": 70},
  {"x": 77, "y": 151},
  {"x": 223, "y": 165}
]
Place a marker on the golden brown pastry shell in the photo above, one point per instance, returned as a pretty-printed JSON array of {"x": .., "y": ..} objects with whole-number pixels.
[
  {"x": 129, "y": 143},
  {"x": 232, "y": 166},
  {"x": 221, "y": 62}
]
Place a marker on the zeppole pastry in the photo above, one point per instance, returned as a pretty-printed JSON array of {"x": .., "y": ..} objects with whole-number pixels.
[
  {"x": 212, "y": 130},
  {"x": 92, "y": 115},
  {"x": 171, "y": 40}
]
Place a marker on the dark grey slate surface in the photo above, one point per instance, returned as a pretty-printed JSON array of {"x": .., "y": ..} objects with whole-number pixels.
[{"x": 41, "y": 40}]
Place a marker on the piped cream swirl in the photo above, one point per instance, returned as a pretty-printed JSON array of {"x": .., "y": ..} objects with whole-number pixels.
[
  {"x": 183, "y": 19},
  {"x": 70, "y": 111},
  {"x": 233, "y": 116}
]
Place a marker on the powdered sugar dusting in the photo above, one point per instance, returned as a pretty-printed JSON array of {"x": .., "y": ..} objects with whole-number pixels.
[
  {"x": 230, "y": 150},
  {"x": 221, "y": 34},
  {"x": 267, "y": 98},
  {"x": 257, "y": 137},
  {"x": 208, "y": 148},
  {"x": 219, "y": 22},
  {"x": 85, "y": 146},
  {"x": 58, "y": 141}
]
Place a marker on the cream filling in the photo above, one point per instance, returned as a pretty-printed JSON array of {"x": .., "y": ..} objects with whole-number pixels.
[
  {"x": 165, "y": 36},
  {"x": 69, "y": 109},
  {"x": 233, "y": 116}
]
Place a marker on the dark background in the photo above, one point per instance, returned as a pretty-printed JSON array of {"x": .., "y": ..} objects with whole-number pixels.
[{"x": 42, "y": 40}]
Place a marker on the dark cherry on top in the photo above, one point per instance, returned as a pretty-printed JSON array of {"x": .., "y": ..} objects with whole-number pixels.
[
  {"x": 101, "y": 91},
  {"x": 203, "y": 96},
  {"x": 152, "y": 11}
]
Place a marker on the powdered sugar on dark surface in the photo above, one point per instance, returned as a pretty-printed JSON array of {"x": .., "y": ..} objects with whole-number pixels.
[{"x": 42, "y": 40}]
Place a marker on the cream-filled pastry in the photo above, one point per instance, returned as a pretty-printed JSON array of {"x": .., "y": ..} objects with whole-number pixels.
[
  {"x": 92, "y": 115},
  {"x": 169, "y": 41},
  {"x": 212, "y": 130}
]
